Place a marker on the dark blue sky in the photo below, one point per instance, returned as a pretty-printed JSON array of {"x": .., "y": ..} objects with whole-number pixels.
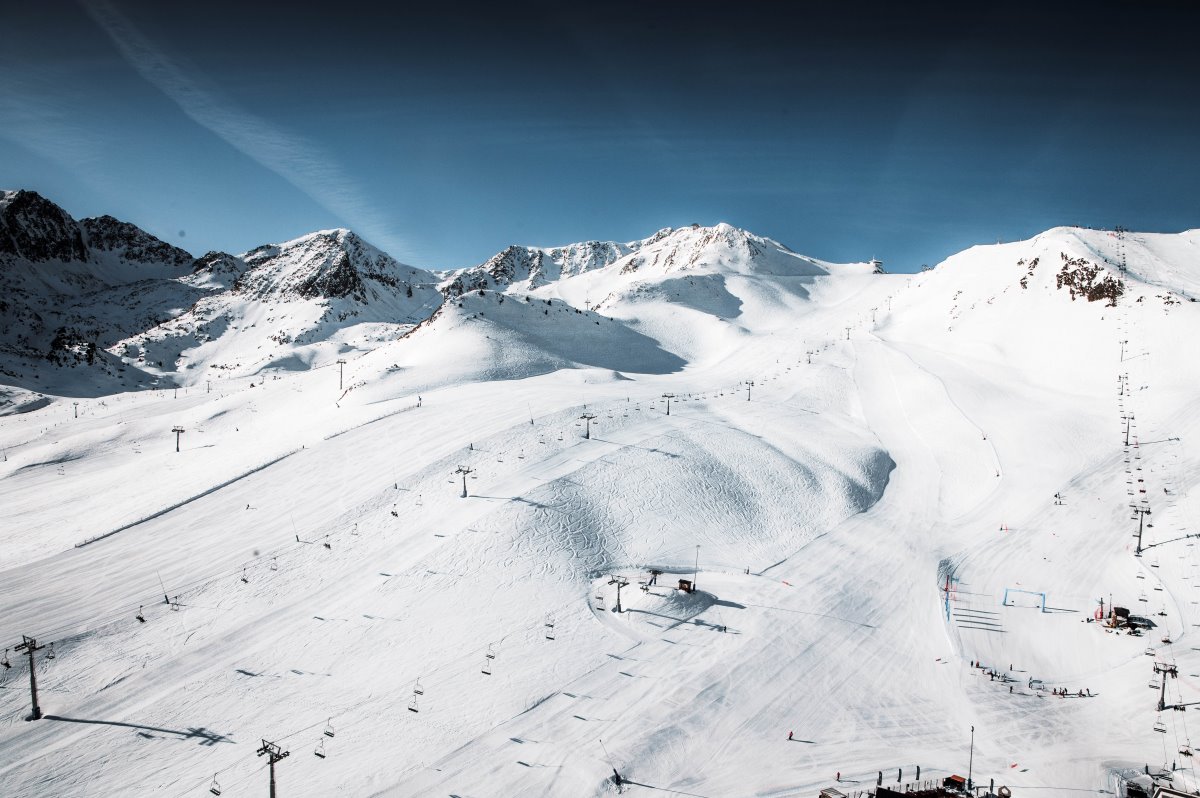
[{"x": 443, "y": 134}]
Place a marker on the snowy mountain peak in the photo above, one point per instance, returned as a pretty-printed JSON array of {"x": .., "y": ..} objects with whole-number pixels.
[
  {"x": 131, "y": 243},
  {"x": 328, "y": 263},
  {"x": 33, "y": 228},
  {"x": 672, "y": 248}
]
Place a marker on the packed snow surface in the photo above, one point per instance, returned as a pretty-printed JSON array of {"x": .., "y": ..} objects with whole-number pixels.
[{"x": 875, "y": 482}]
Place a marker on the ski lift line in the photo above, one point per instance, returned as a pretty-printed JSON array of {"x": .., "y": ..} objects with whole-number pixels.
[
  {"x": 263, "y": 765},
  {"x": 85, "y": 627}
]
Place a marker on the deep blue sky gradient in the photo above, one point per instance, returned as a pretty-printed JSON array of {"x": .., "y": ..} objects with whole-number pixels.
[{"x": 443, "y": 134}]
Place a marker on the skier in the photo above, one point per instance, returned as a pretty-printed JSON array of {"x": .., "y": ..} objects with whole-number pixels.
[
  {"x": 789, "y": 736},
  {"x": 839, "y": 775}
]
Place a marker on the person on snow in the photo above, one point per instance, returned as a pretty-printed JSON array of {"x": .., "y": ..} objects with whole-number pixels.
[{"x": 789, "y": 736}]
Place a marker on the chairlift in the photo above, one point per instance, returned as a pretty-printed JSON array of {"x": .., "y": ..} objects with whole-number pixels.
[
  {"x": 141, "y": 618},
  {"x": 412, "y": 705},
  {"x": 274, "y": 564},
  {"x": 175, "y": 605},
  {"x": 1160, "y": 727},
  {"x": 355, "y": 530},
  {"x": 319, "y": 751},
  {"x": 488, "y": 658},
  {"x": 327, "y": 544},
  {"x": 214, "y": 788},
  {"x": 417, "y": 688},
  {"x": 50, "y": 653},
  {"x": 329, "y": 728},
  {"x": 245, "y": 578},
  {"x": 549, "y": 627},
  {"x": 1153, "y": 684}
]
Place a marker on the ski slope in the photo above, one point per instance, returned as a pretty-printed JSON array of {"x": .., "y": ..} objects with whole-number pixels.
[{"x": 306, "y": 562}]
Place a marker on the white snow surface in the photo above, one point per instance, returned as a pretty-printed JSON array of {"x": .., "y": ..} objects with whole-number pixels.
[{"x": 857, "y": 515}]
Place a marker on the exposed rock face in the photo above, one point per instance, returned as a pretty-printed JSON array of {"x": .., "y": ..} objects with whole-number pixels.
[
  {"x": 131, "y": 243},
  {"x": 34, "y": 229}
]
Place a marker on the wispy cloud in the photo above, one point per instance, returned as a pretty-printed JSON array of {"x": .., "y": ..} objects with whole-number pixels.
[
  {"x": 300, "y": 162},
  {"x": 39, "y": 117}
]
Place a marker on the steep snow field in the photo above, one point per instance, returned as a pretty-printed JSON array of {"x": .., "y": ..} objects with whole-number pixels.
[{"x": 876, "y": 512}]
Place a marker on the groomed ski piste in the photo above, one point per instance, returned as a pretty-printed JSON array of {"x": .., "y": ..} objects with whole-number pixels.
[{"x": 912, "y": 450}]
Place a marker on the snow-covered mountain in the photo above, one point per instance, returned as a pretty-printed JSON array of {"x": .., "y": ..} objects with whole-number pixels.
[
  {"x": 99, "y": 305},
  {"x": 668, "y": 250},
  {"x": 69, "y": 289},
  {"x": 292, "y": 305},
  {"x": 903, "y": 501}
]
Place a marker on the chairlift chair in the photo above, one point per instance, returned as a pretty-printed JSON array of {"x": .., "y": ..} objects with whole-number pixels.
[
  {"x": 417, "y": 688},
  {"x": 274, "y": 564},
  {"x": 141, "y": 618},
  {"x": 329, "y": 728},
  {"x": 319, "y": 751},
  {"x": 549, "y": 627},
  {"x": 1160, "y": 727},
  {"x": 245, "y": 578},
  {"x": 488, "y": 658},
  {"x": 412, "y": 705},
  {"x": 214, "y": 788}
]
